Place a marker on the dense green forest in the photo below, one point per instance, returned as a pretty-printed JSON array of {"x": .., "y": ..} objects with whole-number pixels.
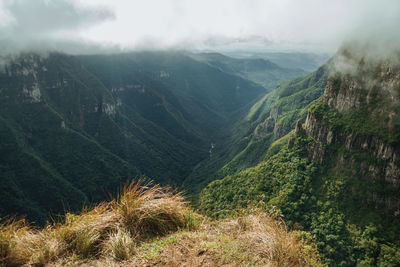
[
  {"x": 270, "y": 118},
  {"x": 335, "y": 175},
  {"x": 74, "y": 128}
]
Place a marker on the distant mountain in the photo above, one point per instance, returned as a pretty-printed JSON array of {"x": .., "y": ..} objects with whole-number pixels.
[
  {"x": 73, "y": 128},
  {"x": 259, "y": 70},
  {"x": 305, "y": 61}
]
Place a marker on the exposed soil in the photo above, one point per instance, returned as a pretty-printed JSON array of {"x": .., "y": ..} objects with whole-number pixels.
[{"x": 187, "y": 253}]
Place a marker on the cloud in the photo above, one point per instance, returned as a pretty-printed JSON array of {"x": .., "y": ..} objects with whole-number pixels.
[
  {"x": 312, "y": 25},
  {"x": 46, "y": 24}
]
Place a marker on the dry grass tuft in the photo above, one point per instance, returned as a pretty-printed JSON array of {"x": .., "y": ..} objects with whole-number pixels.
[
  {"x": 109, "y": 230},
  {"x": 13, "y": 235},
  {"x": 258, "y": 239},
  {"x": 83, "y": 234},
  {"x": 150, "y": 210},
  {"x": 130, "y": 231},
  {"x": 255, "y": 239},
  {"x": 120, "y": 246},
  {"x": 270, "y": 241}
]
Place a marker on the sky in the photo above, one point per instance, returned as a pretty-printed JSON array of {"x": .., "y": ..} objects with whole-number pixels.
[{"x": 92, "y": 26}]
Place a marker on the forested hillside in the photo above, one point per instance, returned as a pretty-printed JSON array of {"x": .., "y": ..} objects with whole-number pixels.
[
  {"x": 337, "y": 174},
  {"x": 73, "y": 128},
  {"x": 270, "y": 118}
]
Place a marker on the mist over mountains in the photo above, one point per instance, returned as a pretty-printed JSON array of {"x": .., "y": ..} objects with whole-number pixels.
[
  {"x": 100, "y": 26},
  {"x": 286, "y": 113}
]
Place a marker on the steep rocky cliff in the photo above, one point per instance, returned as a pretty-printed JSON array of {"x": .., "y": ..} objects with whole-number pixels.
[
  {"x": 338, "y": 176},
  {"x": 356, "y": 125}
]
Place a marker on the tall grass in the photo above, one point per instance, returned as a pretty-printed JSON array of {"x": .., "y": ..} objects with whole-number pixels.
[
  {"x": 259, "y": 239},
  {"x": 14, "y": 234},
  {"x": 150, "y": 210},
  {"x": 111, "y": 229},
  {"x": 121, "y": 229}
]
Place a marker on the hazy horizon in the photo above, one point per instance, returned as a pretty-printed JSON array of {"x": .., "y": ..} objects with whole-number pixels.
[{"x": 96, "y": 26}]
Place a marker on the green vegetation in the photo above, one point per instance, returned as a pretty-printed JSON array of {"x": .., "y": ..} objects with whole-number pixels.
[
  {"x": 369, "y": 120},
  {"x": 270, "y": 118},
  {"x": 98, "y": 120},
  {"x": 95, "y": 121},
  {"x": 345, "y": 199},
  {"x": 73, "y": 128},
  {"x": 310, "y": 198}
]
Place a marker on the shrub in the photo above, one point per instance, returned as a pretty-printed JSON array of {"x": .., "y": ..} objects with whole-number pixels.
[{"x": 150, "y": 210}]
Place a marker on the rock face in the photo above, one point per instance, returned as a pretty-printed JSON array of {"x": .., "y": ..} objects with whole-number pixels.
[
  {"x": 287, "y": 102},
  {"x": 356, "y": 125}
]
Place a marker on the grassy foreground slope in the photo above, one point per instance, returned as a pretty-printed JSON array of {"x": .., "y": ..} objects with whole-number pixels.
[{"x": 154, "y": 226}]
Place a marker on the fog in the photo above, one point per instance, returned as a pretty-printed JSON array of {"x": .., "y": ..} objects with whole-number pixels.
[
  {"x": 42, "y": 25},
  {"x": 100, "y": 26}
]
